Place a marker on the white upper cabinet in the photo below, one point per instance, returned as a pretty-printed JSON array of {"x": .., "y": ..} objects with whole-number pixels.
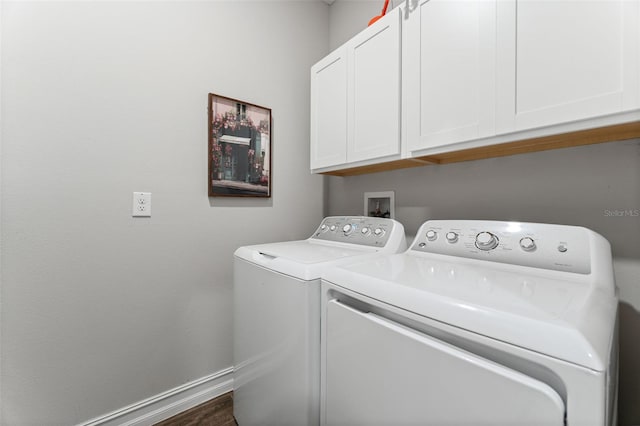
[
  {"x": 329, "y": 110},
  {"x": 454, "y": 75},
  {"x": 374, "y": 90},
  {"x": 562, "y": 61},
  {"x": 449, "y": 58},
  {"x": 355, "y": 98}
]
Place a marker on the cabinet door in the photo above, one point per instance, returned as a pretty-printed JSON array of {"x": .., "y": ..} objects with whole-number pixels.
[
  {"x": 374, "y": 90},
  {"x": 329, "y": 111},
  {"x": 561, "y": 61},
  {"x": 449, "y": 72}
]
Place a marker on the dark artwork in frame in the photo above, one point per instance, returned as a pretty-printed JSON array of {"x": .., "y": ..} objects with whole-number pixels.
[{"x": 239, "y": 148}]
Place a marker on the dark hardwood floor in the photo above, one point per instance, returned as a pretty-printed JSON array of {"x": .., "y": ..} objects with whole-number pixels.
[{"x": 216, "y": 412}]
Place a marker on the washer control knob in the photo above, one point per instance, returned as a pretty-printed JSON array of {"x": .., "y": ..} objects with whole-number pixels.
[
  {"x": 527, "y": 244},
  {"x": 451, "y": 237},
  {"x": 486, "y": 241},
  {"x": 323, "y": 228},
  {"x": 378, "y": 232},
  {"x": 366, "y": 230},
  {"x": 432, "y": 235},
  {"x": 347, "y": 229},
  {"x": 332, "y": 228}
]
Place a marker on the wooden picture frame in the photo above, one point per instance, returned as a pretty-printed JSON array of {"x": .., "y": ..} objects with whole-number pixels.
[{"x": 239, "y": 148}]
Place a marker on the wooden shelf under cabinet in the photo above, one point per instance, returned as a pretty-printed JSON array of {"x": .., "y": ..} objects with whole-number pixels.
[{"x": 613, "y": 133}]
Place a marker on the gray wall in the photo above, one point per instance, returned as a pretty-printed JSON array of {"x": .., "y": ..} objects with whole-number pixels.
[
  {"x": 1, "y": 300},
  {"x": 100, "y": 99},
  {"x": 347, "y": 18},
  {"x": 574, "y": 186},
  {"x": 570, "y": 186}
]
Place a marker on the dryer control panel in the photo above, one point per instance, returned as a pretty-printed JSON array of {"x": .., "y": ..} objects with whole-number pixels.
[
  {"x": 557, "y": 247},
  {"x": 362, "y": 230}
]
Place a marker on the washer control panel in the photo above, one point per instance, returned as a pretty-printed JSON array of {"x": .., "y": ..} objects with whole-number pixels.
[
  {"x": 557, "y": 247},
  {"x": 362, "y": 230}
]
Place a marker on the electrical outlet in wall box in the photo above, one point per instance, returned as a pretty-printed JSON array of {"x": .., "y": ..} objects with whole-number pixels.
[{"x": 141, "y": 204}]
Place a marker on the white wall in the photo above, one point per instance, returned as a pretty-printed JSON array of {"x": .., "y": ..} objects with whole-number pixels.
[
  {"x": 100, "y": 99},
  {"x": 571, "y": 186}
]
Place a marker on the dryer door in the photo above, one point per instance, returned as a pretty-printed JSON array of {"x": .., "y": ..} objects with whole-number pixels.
[{"x": 381, "y": 373}]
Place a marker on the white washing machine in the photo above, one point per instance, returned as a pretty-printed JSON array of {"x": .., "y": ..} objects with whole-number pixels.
[
  {"x": 478, "y": 323},
  {"x": 277, "y": 316}
]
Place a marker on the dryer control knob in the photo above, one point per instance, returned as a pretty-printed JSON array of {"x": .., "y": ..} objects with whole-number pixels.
[
  {"x": 332, "y": 228},
  {"x": 432, "y": 235},
  {"x": 527, "y": 244},
  {"x": 366, "y": 230},
  {"x": 324, "y": 228},
  {"x": 347, "y": 229},
  {"x": 451, "y": 237},
  {"x": 486, "y": 241},
  {"x": 378, "y": 232}
]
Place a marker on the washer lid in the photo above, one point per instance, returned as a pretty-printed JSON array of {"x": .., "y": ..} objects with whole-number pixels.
[
  {"x": 305, "y": 259},
  {"x": 564, "y": 315},
  {"x": 309, "y": 251}
]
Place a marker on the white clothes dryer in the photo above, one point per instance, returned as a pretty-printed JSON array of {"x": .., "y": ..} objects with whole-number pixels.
[
  {"x": 277, "y": 316},
  {"x": 478, "y": 323}
]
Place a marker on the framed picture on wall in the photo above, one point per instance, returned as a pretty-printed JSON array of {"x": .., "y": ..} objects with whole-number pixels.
[
  {"x": 239, "y": 148},
  {"x": 380, "y": 204}
]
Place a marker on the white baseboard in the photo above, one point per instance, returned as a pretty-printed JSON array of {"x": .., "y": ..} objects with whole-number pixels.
[{"x": 167, "y": 404}]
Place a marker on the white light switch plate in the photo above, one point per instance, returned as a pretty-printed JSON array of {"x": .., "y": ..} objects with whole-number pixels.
[{"x": 141, "y": 204}]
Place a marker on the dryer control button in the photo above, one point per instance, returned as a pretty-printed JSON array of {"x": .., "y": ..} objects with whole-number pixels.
[
  {"x": 451, "y": 237},
  {"x": 486, "y": 241},
  {"x": 527, "y": 244}
]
